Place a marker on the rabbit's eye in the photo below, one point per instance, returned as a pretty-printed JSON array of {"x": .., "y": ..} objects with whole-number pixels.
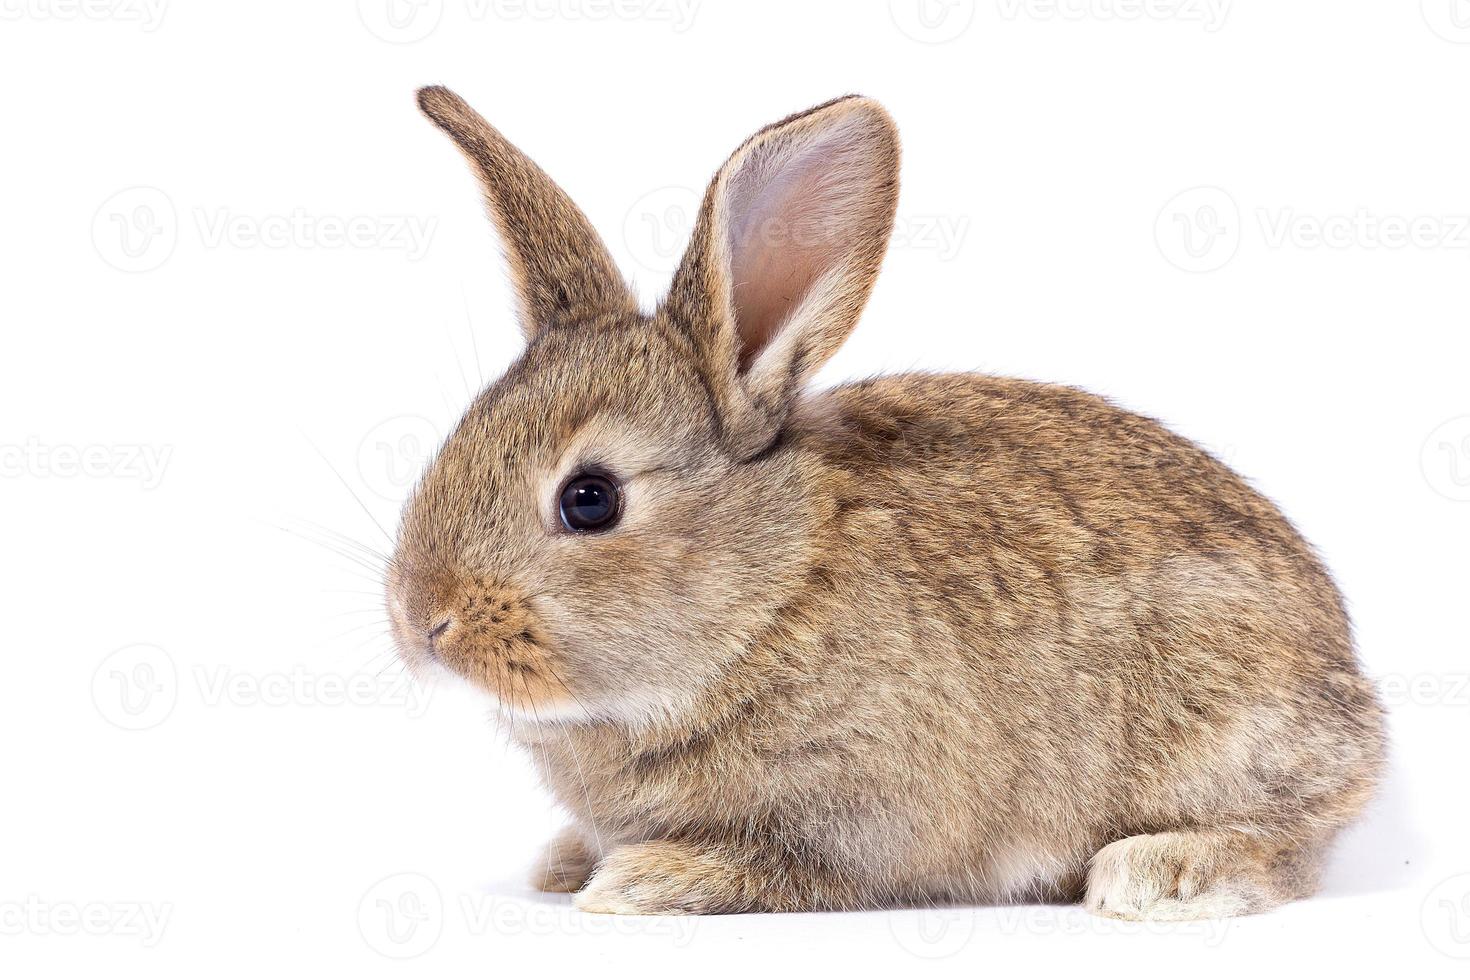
[{"x": 590, "y": 502}]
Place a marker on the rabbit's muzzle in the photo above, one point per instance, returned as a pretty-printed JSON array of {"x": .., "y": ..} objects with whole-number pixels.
[{"x": 488, "y": 632}]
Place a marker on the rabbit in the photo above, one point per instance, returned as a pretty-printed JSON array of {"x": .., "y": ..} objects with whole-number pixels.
[{"x": 923, "y": 638}]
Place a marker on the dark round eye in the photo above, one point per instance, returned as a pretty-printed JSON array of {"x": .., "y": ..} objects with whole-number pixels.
[{"x": 589, "y": 502}]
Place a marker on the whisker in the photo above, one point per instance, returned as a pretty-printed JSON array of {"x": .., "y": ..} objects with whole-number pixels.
[
  {"x": 378, "y": 624},
  {"x": 470, "y": 327},
  {"x": 577, "y": 759},
  {"x": 459, "y": 363},
  {"x": 347, "y": 540},
  {"x": 371, "y": 610},
  {"x": 335, "y": 549},
  {"x": 445, "y": 395},
  {"x": 543, "y": 765},
  {"x": 347, "y": 486}
]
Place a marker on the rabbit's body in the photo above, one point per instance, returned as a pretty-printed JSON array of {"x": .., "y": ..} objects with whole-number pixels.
[
  {"x": 1131, "y": 641},
  {"x": 920, "y": 638}
]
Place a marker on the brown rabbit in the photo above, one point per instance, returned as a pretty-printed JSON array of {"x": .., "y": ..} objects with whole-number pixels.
[{"x": 916, "y": 639}]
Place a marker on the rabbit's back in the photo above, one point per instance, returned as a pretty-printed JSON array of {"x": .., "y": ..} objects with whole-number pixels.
[
  {"x": 1130, "y": 634},
  {"x": 1102, "y": 485}
]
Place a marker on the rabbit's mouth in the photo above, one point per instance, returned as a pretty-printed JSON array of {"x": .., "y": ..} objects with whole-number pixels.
[
  {"x": 513, "y": 664},
  {"x": 489, "y": 634}
]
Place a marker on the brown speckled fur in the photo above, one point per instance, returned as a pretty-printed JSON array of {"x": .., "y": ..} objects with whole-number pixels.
[{"x": 921, "y": 638}]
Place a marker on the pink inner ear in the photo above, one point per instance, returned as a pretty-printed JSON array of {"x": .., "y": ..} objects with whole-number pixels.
[{"x": 795, "y": 207}]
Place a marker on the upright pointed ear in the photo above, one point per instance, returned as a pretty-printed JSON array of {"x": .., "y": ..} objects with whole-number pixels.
[
  {"x": 783, "y": 256},
  {"x": 561, "y": 270}
]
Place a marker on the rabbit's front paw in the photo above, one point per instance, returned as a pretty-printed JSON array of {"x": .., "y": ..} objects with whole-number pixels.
[
  {"x": 1186, "y": 875},
  {"x": 662, "y": 878},
  {"x": 566, "y": 864}
]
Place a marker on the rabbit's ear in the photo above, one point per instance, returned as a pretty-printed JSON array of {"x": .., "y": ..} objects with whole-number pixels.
[
  {"x": 561, "y": 270},
  {"x": 784, "y": 253}
]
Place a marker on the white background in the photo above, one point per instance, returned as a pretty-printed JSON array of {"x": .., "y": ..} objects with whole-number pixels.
[{"x": 1248, "y": 219}]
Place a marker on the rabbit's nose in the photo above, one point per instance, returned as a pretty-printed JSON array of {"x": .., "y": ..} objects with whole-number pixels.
[
  {"x": 478, "y": 613},
  {"x": 489, "y": 632}
]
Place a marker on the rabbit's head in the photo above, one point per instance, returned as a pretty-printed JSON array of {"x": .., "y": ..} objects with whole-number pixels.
[{"x": 613, "y": 520}]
